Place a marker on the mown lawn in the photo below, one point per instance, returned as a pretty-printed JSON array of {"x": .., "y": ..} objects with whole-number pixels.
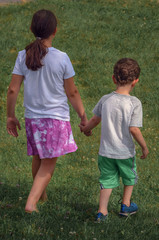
[{"x": 95, "y": 34}]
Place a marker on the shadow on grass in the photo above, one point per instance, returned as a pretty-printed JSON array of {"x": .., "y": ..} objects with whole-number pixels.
[
  {"x": 59, "y": 216},
  {"x": 68, "y": 214}
]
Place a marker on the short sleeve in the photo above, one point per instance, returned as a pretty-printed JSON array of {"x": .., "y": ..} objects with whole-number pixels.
[
  {"x": 18, "y": 66},
  {"x": 98, "y": 108},
  {"x": 69, "y": 70},
  {"x": 137, "y": 115}
]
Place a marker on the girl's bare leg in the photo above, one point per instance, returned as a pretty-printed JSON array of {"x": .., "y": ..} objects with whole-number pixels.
[
  {"x": 40, "y": 183},
  {"x": 36, "y": 162},
  {"x": 104, "y": 199}
]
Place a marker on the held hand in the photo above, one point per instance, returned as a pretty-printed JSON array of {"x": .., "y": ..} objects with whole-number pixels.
[
  {"x": 145, "y": 153},
  {"x": 83, "y": 124},
  {"x": 88, "y": 134},
  {"x": 81, "y": 127},
  {"x": 12, "y": 124},
  {"x": 84, "y": 120},
  {"x": 85, "y": 131}
]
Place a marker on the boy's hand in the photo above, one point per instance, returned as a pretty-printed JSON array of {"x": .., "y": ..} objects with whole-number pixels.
[
  {"x": 145, "y": 152},
  {"x": 88, "y": 133},
  {"x": 12, "y": 124},
  {"x": 136, "y": 133}
]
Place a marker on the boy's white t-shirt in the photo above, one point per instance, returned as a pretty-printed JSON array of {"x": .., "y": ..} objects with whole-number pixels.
[
  {"x": 44, "y": 93},
  {"x": 118, "y": 112}
]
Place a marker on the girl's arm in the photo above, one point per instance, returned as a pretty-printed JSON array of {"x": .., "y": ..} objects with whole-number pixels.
[
  {"x": 136, "y": 133},
  {"x": 13, "y": 90},
  {"x": 75, "y": 99},
  {"x": 92, "y": 123}
]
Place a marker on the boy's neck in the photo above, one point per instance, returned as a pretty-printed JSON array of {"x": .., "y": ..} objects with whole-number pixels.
[{"x": 125, "y": 90}]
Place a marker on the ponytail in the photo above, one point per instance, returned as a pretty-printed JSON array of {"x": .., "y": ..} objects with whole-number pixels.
[
  {"x": 35, "y": 52},
  {"x": 43, "y": 24}
]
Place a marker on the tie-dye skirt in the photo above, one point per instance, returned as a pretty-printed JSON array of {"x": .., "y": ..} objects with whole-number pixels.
[{"x": 49, "y": 138}]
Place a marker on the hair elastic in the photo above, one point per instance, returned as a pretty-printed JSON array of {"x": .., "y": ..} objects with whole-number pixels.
[{"x": 38, "y": 38}]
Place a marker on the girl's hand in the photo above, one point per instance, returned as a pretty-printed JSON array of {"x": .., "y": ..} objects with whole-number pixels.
[
  {"x": 84, "y": 120},
  {"x": 13, "y": 90},
  {"x": 83, "y": 123},
  {"x": 92, "y": 123},
  {"x": 12, "y": 124}
]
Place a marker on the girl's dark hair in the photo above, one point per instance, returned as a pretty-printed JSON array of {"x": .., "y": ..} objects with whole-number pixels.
[
  {"x": 43, "y": 24},
  {"x": 126, "y": 70}
]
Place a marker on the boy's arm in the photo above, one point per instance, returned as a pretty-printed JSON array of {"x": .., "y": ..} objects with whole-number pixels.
[
  {"x": 92, "y": 123},
  {"x": 136, "y": 133},
  {"x": 13, "y": 90}
]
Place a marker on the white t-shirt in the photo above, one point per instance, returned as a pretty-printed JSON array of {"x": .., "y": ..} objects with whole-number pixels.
[
  {"x": 44, "y": 93},
  {"x": 118, "y": 112}
]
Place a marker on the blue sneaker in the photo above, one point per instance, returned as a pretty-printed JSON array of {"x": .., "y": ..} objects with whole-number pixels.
[
  {"x": 100, "y": 217},
  {"x": 126, "y": 211}
]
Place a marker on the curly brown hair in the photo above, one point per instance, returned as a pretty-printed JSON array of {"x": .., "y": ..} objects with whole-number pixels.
[{"x": 126, "y": 70}]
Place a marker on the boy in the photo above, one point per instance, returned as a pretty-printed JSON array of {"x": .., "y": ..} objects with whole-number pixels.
[{"x": 121, "y": 116}]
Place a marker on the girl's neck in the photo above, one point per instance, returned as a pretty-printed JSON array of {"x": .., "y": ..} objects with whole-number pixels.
[{"x": 48, "y": 42}]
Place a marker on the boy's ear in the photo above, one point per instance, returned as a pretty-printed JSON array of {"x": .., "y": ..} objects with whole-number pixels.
[{"x": 134, "y": 82}]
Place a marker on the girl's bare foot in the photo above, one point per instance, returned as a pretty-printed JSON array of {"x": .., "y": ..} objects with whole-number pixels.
[{"x": 30, "y": 208}]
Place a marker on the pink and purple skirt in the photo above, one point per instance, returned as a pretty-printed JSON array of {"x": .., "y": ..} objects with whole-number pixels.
[{"x": 49, "y": 138}]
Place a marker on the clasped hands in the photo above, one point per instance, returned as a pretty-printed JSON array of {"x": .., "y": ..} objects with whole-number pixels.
[{"x": 85, "y": 130}]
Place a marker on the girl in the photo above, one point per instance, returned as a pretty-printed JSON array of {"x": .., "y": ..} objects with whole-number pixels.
[{"x": 48, "y": 83}]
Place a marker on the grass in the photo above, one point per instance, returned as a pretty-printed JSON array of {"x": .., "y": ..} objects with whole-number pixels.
[{"x": 95, "y": 34}]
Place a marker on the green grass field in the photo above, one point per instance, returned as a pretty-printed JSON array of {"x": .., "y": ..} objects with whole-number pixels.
[{"x": 95, "y": 34}]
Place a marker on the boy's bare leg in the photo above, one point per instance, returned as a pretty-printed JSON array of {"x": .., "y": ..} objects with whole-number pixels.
[
  {"x": 127, "y": 195},
  {"x": 36, "y": 162},
  {"x": 104, "y": 199},
  {"x": 41, "y": 181}
]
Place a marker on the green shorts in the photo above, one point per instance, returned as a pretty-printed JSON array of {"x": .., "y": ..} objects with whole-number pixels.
[{"x": 112, "y": 169}]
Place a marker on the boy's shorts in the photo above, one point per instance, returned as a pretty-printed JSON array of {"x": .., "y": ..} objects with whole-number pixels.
[{"x": 112, "y": 169}]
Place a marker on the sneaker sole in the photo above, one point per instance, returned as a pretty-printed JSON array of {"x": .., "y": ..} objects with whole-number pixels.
[{"x": 126, "y": 214}]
